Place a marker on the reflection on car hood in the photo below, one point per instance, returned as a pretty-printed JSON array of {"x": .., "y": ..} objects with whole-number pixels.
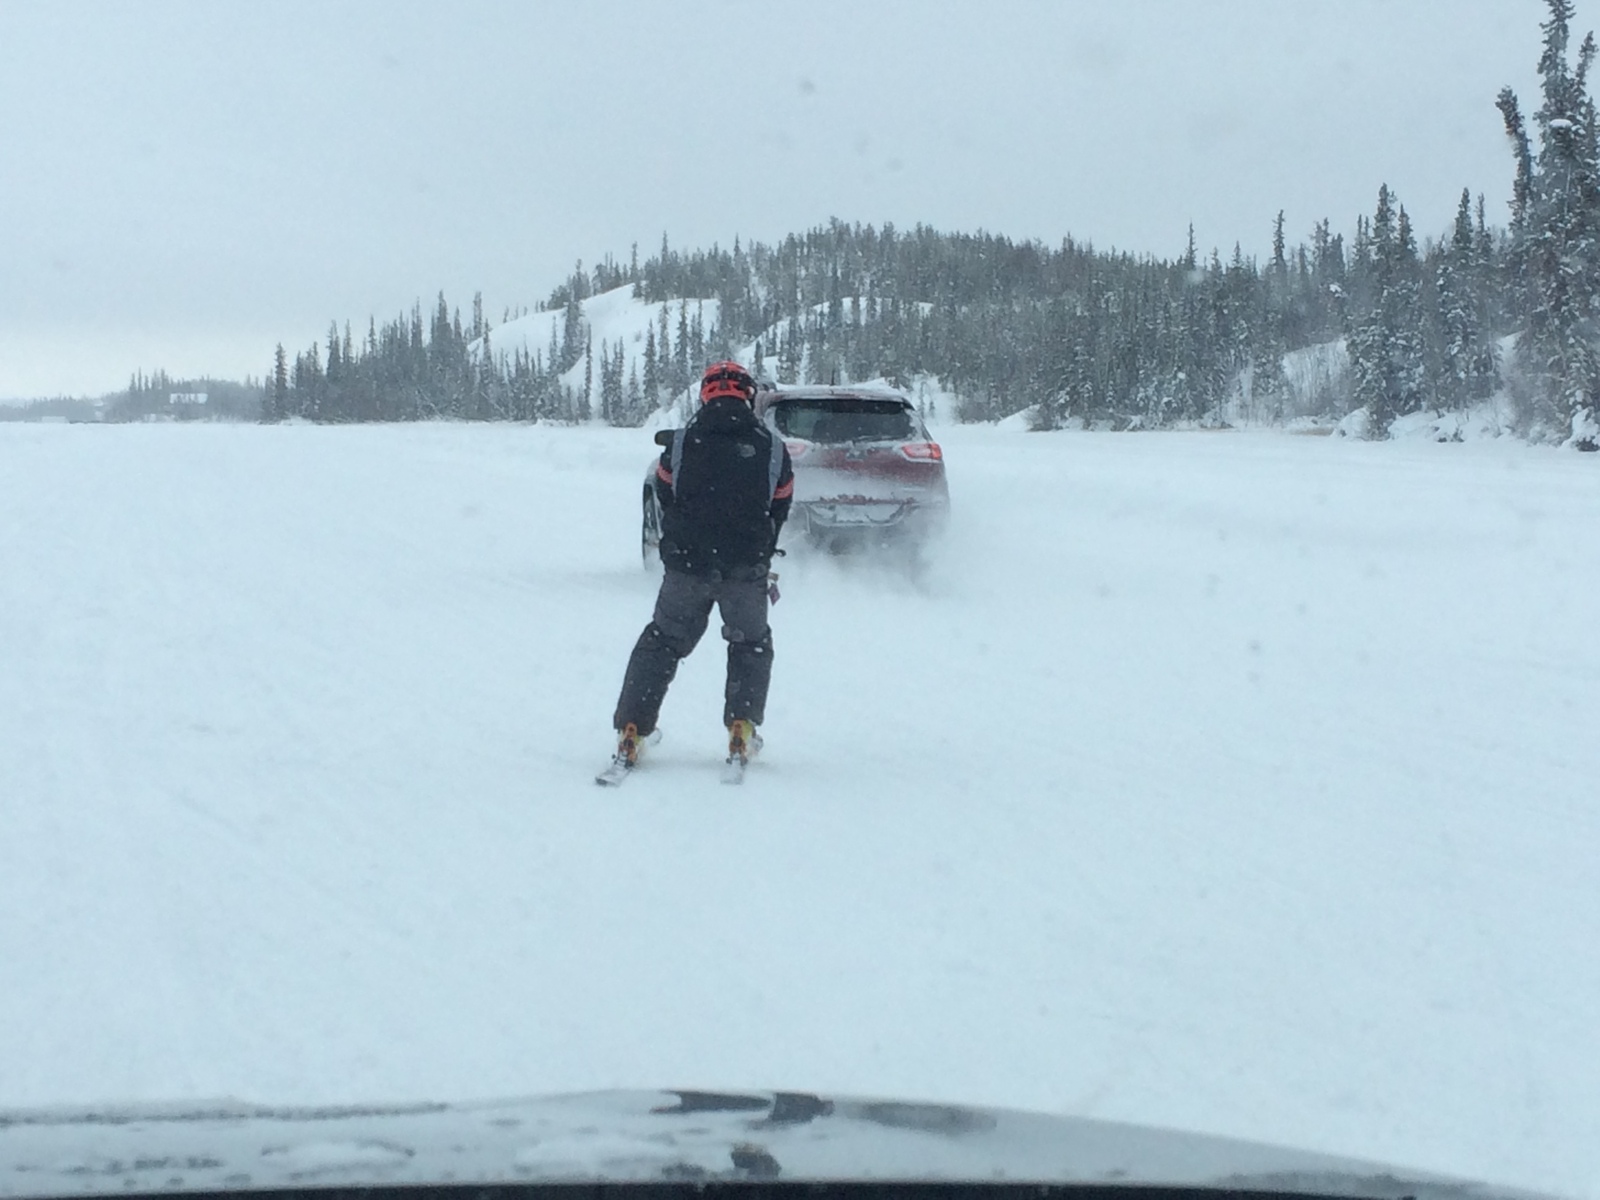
[{"x": 643, "y": 1136}]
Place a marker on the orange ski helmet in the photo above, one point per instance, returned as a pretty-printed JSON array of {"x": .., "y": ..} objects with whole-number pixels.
[{"x": 727, "y": 379}]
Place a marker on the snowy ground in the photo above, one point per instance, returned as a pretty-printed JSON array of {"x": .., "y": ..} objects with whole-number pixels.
[{"x": 1242, "y": 783}]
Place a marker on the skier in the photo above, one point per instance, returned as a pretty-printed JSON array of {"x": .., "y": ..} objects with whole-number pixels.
[{"x": 725, "y": 484}]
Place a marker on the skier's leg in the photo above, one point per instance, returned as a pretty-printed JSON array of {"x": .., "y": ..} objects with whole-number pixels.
[
  {"x": 683, "y": 609},
  {"x": 749, "y": 637}
]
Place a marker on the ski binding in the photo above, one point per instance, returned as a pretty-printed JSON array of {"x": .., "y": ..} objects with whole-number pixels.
[{"x": 620, "y": 768}]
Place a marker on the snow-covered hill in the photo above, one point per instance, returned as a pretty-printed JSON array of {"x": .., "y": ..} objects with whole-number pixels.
[
  {"x": 610, "y": 317},
  {"x": 1233, "y": 782},
  {"x": 616, "y": 317}
]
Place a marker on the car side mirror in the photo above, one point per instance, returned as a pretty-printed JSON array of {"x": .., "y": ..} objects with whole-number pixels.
[{"x": 664, "y": 437}]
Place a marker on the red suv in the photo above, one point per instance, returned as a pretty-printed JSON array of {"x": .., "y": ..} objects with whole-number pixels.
[
  {"x": 865, "y": 469},
  {"x": 866, "y": 472}
]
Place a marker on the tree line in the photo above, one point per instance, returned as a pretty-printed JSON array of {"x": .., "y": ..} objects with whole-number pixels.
[
  {"x": 158, "y": 396},
  {"x": 1066, "y": 331}
]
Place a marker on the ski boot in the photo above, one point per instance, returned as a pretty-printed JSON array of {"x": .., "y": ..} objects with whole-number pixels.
[
  {"x": 744, "y": 743},
  {"x": 629, "y": 746}
]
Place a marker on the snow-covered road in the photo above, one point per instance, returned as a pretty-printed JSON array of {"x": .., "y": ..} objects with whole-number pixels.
[{"x": 1239, "y": 783}]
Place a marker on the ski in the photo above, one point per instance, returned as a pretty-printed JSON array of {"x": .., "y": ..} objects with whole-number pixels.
[
  {"x": 618, "y": 770},
  {"x": 733, "y": 769}
]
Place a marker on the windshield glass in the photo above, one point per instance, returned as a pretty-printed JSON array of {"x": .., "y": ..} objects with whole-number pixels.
[
  {"x": 843, "y": 420},
  {"x": 1182, "y": 710}
]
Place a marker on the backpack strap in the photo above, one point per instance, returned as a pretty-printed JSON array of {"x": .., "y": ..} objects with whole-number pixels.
[
  {"x": 678, "y": 438},
  {"x": 774, "y": 467}
]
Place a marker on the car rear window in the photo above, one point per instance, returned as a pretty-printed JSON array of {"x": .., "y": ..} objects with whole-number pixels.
[{"x": 843, "y": 420}]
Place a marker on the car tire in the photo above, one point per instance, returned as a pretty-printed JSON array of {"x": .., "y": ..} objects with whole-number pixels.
[{"x": 650, "y": 529}]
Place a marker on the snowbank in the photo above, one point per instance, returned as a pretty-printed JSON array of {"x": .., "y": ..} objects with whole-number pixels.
[{"x": 1484, "y": 422}]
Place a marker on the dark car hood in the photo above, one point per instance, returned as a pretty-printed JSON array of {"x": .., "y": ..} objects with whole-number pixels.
[{"x": 643, "y": 1136}]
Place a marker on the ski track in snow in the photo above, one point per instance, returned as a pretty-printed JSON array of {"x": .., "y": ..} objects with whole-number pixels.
[{"x": 1238, "y": 783}]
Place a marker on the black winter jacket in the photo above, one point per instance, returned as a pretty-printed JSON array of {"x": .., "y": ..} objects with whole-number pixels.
[{"x": 725, "y": 484}]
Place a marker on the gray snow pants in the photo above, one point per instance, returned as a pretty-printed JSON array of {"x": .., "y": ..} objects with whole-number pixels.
[{"x": 683, "y": 611}]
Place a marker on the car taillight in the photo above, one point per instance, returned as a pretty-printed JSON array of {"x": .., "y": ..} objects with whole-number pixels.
[
  {"x": 922, "y": 451},
  {"x": 796, "y": 449}
]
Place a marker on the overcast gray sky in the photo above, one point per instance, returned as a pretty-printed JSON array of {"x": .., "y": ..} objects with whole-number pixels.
[{"x": 184, "y": 183}]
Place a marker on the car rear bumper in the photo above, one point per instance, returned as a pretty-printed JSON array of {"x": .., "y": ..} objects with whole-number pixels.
[{"x": 866, "y": 516}]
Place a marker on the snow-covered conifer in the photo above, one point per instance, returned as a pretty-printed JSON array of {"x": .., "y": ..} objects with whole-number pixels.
[{"x": 1554, "y": 255}]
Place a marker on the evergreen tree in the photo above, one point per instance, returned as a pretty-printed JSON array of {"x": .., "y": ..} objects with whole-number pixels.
[
  {"x": 681, "y": 351},
  {"x": 789, "y": 354},
  {"x": 277, "y": 406},
  {"x": 1386, "y": 338},
  {"x": 1408, "y": 347},
  {"x": 573, "y": 333},
  {"x": 1554, "y": 257},
  {"x": 607, "y": 408},
  {"x": 1267, "y": 382},
  {"x": 617, "y": 413},
  {"x": 585, "y": 411},
  {"x": 664, "y": 343},
  {"x": 1469, "y": 372},
  {"x": 636, "y": 404},
  {"x": 652, "y": 370}
]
